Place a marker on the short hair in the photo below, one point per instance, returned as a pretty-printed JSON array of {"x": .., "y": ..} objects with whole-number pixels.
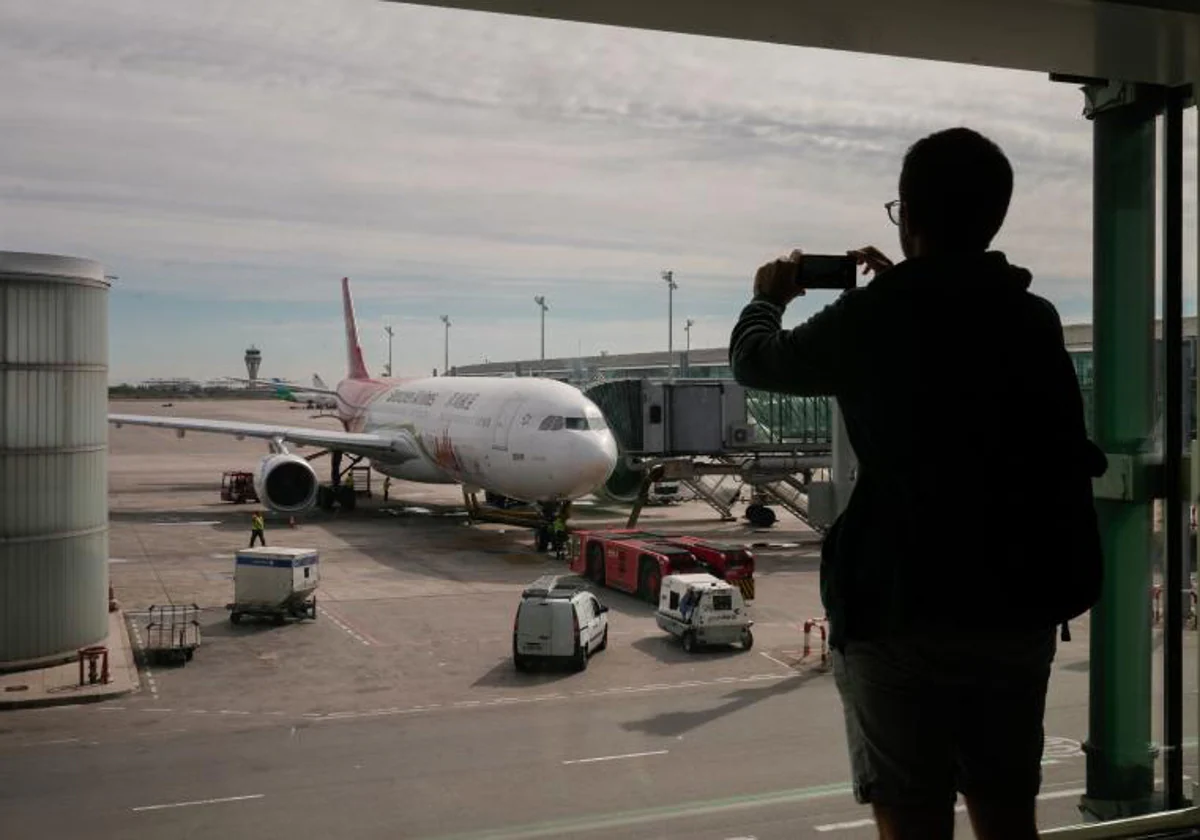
[{"x": 955, "y": 187}]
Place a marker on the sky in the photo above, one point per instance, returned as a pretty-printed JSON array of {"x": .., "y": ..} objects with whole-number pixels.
[{"x": 230, "y": 162}]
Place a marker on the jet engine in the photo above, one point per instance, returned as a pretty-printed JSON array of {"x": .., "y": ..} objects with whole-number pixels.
[{"x": 286, "y": 483}]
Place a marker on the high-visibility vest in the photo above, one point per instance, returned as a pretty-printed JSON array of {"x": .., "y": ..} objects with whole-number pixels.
[{"x": 256, "y": 523}]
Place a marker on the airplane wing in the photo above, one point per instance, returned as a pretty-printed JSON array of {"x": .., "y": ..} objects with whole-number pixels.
[{"x": 398, "y": 446}]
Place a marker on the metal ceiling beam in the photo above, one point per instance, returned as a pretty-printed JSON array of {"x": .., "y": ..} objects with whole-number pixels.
[{"x": 1152, "y": 41}]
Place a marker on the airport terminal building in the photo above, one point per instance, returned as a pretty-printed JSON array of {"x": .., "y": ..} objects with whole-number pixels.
[{"x": 713, "y": 363}]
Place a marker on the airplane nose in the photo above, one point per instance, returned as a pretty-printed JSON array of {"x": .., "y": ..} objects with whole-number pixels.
[{"x": 595, "y": 460}]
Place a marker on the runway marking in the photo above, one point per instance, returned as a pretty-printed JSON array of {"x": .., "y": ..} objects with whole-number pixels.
[
  {"x": 842, "y": 826},
  {"x": 187, "y": 522},
  {"x": 361, "y": 638},
  {"x": 615, "y": 757},
  {"x": 776, "y": 661},
  {"x": 199, "y": 802},
  {"x": 137, "y": 639}
]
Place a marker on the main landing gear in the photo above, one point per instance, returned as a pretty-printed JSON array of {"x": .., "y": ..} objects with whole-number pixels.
[
  {"x": 501, "y": 509},
  {"x": 337, "y": 493}
]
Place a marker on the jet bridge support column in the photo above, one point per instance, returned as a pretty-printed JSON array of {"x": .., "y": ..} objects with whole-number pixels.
[{"x": 1120, "y": 755}]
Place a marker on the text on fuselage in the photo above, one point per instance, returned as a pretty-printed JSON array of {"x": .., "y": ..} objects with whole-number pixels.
[{"x": 413, "y": 397}]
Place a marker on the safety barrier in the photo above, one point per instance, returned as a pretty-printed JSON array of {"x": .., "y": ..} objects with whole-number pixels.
[
  {"x": 818, "y": 623},
  {"x": 1156, "y": 606},
  {"x": 96, "y": 657}
]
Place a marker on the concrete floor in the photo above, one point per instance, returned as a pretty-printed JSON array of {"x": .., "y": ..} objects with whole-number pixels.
[{"x": 397, "y": 713}]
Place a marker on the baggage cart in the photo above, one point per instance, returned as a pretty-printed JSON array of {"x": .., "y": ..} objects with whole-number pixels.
[
  {"x": 173, "y": 632},
  {"x": 275, "y": 583}
]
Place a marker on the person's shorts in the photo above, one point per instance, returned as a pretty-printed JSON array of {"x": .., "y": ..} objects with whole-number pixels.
[{"x": 928, "y": 717}]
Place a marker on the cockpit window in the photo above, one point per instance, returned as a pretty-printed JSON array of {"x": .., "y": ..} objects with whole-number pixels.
[{"x": 579, "y": 424}]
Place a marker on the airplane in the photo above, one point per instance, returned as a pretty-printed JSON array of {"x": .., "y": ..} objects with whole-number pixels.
[
  {"x": 319, "y": 396},
  {"x": 528, "y": 439}
]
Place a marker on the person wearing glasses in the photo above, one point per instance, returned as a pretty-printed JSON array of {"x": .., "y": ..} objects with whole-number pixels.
[{"x": 970, "y": 534}]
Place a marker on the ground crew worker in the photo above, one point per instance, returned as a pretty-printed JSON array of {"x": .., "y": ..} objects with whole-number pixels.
[
  {"x": 257, "y": 527},
  {"x": 687, "y": 604},
  {"x": 559, "y": 533},
  {"x": 387, "y": 483}
]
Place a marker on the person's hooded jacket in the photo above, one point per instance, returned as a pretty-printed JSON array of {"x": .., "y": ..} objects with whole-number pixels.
[{"x": 972, "y": 505}]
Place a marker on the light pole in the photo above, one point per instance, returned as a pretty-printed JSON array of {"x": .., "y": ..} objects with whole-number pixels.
[
  {"x": 687, "y": 353},
  {"x": 446, "y": 357},
  {"x": 390, "y": 333},
  {"x": 669, "y": 277},
  {"x": 540, "y": 300}
]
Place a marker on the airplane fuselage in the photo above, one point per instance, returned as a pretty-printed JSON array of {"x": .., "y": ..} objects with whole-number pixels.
[{"x": 530, "y": 439}]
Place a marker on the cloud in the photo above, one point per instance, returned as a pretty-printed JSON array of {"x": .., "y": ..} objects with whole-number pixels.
[{"x": 238, "y": 159}]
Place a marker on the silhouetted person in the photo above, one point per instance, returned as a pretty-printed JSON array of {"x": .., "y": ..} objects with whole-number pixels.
[{"x": 971, "y": 532}]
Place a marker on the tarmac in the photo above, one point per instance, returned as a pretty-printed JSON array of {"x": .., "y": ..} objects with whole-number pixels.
[{"x": 398, "y": 712}]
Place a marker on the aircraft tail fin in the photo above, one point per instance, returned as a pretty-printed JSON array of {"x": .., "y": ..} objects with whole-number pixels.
[
  {"x": 356, "y": 368},
  {"x": 318, "y": 382}
]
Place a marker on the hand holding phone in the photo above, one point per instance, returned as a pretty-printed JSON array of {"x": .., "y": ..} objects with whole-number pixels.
[
  {"x": 789, "y": 277},
  {"x": 822, "y": 271},
  {"x": 776, "y": 280},
  {"x": 871, "y": 259}
]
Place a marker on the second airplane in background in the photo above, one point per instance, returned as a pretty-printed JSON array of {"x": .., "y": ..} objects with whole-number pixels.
[
  {"x": 529, "y": 439},
  {"x": 319, "y": 396}
]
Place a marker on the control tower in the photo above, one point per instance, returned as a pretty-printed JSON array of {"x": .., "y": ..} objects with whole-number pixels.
[{"x": 253, "y": 360}]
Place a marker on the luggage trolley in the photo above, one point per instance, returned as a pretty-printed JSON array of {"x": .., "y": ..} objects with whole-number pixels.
[{"x": 173, "y": 632}]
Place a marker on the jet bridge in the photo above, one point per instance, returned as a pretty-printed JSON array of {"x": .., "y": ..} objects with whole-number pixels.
[{"x": 708, "y": 434}]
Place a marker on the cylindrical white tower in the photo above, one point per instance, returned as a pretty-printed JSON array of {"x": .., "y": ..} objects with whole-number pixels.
[{"x": 53, "y": 457}]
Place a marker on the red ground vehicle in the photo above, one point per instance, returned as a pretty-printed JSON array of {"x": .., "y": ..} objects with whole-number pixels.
[
  {"x": 726, "y": 561},
  {"x": 238, "y": 487},
  {"x": 631, "y": 561}
]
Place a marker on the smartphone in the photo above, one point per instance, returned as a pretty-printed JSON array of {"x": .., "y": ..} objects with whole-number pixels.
[{"x": 820, "y": 271}]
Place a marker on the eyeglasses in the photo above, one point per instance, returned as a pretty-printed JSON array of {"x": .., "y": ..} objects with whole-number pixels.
[{"x": 893, "y": 211}]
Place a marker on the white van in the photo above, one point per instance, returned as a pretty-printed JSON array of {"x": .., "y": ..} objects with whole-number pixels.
[
  {"x": 558, "y": 620},
  {"x": 700, "y": 609}
]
